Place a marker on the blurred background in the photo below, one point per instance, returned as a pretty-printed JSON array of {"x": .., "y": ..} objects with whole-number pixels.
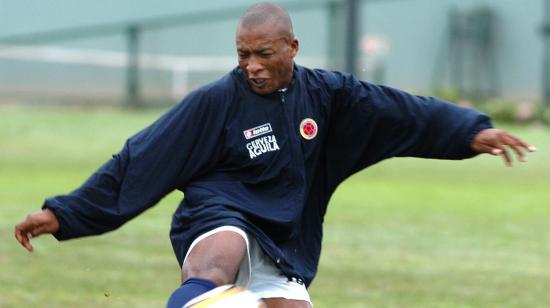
[
  {"x": 146, "y": 53},
  {"x": 78, "y": 77}
]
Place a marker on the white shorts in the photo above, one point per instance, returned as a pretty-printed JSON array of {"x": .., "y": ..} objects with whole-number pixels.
[{"x": 257, "y": 271}]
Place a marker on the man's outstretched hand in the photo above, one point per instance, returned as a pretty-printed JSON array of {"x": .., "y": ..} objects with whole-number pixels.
[
  {"x": 499, "y": 143},
  {"x": 34, "y": 225}
]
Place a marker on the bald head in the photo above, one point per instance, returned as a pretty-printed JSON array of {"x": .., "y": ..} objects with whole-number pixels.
[
  {"x": 266, "y": 47},
  {"x": 267, "y": 13}
]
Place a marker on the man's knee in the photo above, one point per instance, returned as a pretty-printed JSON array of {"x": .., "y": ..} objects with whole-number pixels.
[
  {"x": 280, "y": 302},
  {"x": 217, "y": 258}
]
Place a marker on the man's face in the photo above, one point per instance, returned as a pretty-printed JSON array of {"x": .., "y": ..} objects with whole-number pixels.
[{"x": 266, "y": 57}]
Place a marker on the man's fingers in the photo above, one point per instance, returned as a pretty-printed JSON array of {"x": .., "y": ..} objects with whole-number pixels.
[
  {"x": 38, "y": 230},
  {"x": 491, "y": 149},
  {"x": 527, "y": 146},
  {"x": 28, "y": 229},
  {"x": 519, "y": 146},
  {"x": 516, "y": 145},
  {"x": 21, "y": 231},
  {"x": 497, "y": 151},
  {"x": 23, "y": 238},
  {"x": 519, "y": 152},
  {"x": 34, "y": 225},
  {"x": 522, "y": 144},
  {"x": 27, "y": 244},
  {"x": 501, "y": 143},
  {"x": 507, "y": 157},
  {"x": 18, "y": 235}
]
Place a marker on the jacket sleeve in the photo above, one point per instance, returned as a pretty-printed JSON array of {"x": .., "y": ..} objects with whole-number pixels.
[
  {"x": 152, "y": 163},
  {"x": 370, "y": 123}
]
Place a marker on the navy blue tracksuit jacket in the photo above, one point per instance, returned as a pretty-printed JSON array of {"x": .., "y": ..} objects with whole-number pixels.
[{"x": 265, "y": 163}]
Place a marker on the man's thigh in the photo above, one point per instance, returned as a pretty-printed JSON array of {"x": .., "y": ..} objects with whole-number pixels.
[
  {"x": 269, "y": 283},
  {"x": 285, "y": 303},
  {"x": 216, "y": 257},
  {"x": 226, "y": 253}
]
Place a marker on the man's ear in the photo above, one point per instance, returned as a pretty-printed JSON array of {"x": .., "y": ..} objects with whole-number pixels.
[{"x": 294, "y": 47}]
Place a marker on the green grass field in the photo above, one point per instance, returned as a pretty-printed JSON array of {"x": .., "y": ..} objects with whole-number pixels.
[{"x": 404, "y": 233}]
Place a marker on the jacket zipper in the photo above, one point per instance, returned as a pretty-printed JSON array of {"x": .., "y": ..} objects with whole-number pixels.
[
  {"x": 293, "y": 147},
  {"x": 282, "y": 94}
]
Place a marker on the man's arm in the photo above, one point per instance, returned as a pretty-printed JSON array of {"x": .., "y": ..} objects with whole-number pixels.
[
  {"x": 498, "y": 142},
  {"x": 371, "y": 123},
  {"x": 152, "y": 163}
]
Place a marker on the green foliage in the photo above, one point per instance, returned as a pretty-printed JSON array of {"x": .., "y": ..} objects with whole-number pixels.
[
  {"x": 545, "y": 114},
  {"x": 404, "y": 233},
  {"x": 499, "y": 110},
  {"x": 448, "y": 94}
]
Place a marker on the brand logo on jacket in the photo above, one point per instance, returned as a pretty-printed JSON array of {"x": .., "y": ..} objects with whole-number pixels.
[
  {"x": 308, "y": 128},
  {"x": 257, "y": 131}
]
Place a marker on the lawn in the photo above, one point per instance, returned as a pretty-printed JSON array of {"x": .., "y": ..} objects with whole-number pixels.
[{"x": 404, "y": 233}]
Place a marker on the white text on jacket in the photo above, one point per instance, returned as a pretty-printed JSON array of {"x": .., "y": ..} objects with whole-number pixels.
[{"x": 262, "y": 145}]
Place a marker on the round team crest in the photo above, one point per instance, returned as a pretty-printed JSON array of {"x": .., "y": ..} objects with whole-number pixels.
[{"x": 308, "y": 128}]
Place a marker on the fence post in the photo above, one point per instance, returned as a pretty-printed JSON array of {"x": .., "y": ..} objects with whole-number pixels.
[
  {"x": 133, "y": 90},
  {"x": 546, "y": 55},
  {"x": 343, "y": 35},
  {"x": 352, "y": 36}
]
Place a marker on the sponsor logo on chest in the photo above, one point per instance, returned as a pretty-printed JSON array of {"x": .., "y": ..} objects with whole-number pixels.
[
  {"x": 257, "y": 131},
  {"x": 261, "y": 145}
]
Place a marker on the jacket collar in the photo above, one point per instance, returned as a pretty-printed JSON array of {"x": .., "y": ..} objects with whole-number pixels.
[{"x": 244, "y": 81}]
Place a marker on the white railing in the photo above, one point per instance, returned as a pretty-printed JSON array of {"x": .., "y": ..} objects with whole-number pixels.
[{"x": 179, "y": 66}]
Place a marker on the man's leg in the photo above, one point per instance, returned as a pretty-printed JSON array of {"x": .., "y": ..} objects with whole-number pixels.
[
  {"x": 268, "y": 282},
  {"x": 216, "y": 258},
  {"x": 285, "y": 303},
  {"x": 213, "y": 261}
]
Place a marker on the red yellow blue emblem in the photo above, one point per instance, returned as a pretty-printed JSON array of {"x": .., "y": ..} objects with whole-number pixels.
[{"x": 308, "y": 128}]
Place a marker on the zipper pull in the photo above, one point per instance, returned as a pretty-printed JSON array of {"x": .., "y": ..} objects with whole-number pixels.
[{"x": 282, "y": 94}]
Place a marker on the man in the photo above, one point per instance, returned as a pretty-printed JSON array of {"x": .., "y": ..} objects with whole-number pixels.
[{"x": 258, "y": 154}]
